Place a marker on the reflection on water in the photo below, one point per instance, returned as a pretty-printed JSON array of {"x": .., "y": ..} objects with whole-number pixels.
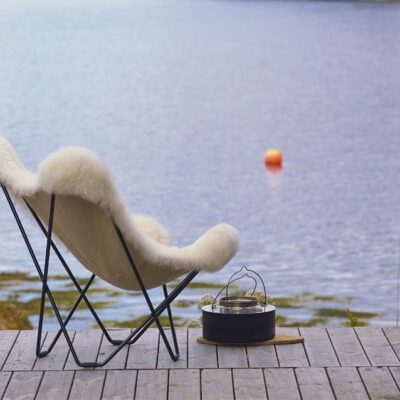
[
  {"x": 275, "y": 185},
  {"x": 182, "y": 99}
]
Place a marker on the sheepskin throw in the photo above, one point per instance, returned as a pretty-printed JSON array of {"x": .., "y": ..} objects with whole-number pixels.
[{"x": 87, "y": 205}]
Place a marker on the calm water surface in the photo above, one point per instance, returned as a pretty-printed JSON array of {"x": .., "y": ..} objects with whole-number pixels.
[{"x": 182, "y": 98}]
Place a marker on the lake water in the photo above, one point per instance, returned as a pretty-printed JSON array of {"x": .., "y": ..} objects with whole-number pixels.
[{"x": 182, "y": 98}]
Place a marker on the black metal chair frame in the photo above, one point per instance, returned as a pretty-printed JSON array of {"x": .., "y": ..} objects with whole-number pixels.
[{"x": 153, "y": 316}]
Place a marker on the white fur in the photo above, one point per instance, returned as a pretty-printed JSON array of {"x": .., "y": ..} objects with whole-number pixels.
[
  {"x": 78, "y": 171},
  {"x": 19, "y": 180}
]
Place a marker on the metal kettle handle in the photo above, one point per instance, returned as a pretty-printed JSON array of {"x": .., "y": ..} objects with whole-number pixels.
[{"x": 244, "y": 274}]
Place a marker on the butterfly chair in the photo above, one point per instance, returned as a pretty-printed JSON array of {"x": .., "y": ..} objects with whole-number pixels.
[{"x": 73, "y": 198}]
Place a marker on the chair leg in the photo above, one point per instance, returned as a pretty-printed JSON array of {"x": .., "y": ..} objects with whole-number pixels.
[
  {"x": 153, "y": 317},
  {"x": 67, "y": 319},
  {"x": 155, "y": 312},
  {"x": 75, "y": 282},
  {"x": 130, "y": 339},
  {"x": 171, "y": 321},
  {"x": 42, "y": 278},
  {"x": 163, "y": 305},
  {"x": 174, "y": 356},
  {"x": 45, "y": 274}
]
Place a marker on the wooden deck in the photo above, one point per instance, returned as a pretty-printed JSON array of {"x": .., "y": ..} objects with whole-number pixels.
[{"x": 337, "y": 363}]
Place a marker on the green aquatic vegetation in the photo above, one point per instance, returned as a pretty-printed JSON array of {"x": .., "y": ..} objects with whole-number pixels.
[
  {"x": 234, "y": 293},
  {"x": 184, "y": 303},
  {"x": 305, "y": 299},
  {"x": 13, "y": 314},
  {"x": 352, "y": 320},
  {"x": 133, "y": 323},
  {"x": 114, "y": 293},
  {"x": 27, "y": 277},
  {"x": 81, "y": 281},
  {"x": 343, "y": 313},
  {"x": 93, "y": 289},
  {"x": 131, "y": 293},
  {"x": 116, "y": 324},
  {"x": 99, "y": 290},
  {"x": 260, "y": 296},
  {"x": 102, "y": 290},
  {"x": 18, "y": 276},
  {"x": 202, "y": 285},
  {"x": 59, "y": 277},
  {"x": 98, "y": 304},
  {"x": 295, "y": 301},
  {"x": 19, "y": 292},
  {"x": 10, "y": 279},
  {"x": 65, "y": 300},
  {"x": 280, "y": 320},
  {"x": 333, "y": 299},
  {"x": 326, "y": 298},
  {"x": 303, "y": 324}
]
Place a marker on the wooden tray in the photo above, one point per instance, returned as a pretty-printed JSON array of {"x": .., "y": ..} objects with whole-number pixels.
[{"x": 278, "y": 339}]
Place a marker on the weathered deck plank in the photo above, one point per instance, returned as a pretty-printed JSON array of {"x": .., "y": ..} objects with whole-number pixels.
[
  {"x": 319, "y": 348},
  {"x": 262, "y": 356},
  {"x": 184, "y": 384},
  {"x": 4, "y": 379},
  {"x": 347, "y": 384},
  {"x": 143, "y": 354},
  {"x": 200, "y": 355},
  {"x": 249, "y": 384},
  {"x": 119, "y": 385},
  {"x": 57, "y": 358},
  {"x": 395, "y": 371},
  {"x": 149, "y": 373},
  {"x": 23, "y": 385},
  {"x": 164, "y": 359},
  {"x": 347, "y": 347},
  {"x": 377, "y": 347},
  {"x": 291, "y": 355},
  {"x": 232, "y": 357},
  {"x": 281, "y": 384},
  {"x": 152, "y": 384},
  {"x": 216, "y": 384},
  {"x": 314, "y": 384},
  {"x": 106, "y": 348},
  {"x": 7, "y": 340},
  {"x": 23, "y": 354},
  {"x": 393, "y": 335},
  {"x": 86, "y": 344},
  {"x": 87, "y": 385},
  {"x": 379, "y": 383},
  {"x": 55, "y": 385}
]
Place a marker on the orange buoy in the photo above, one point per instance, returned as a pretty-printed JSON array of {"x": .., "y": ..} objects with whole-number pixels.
[{"x": 273, "y": 158}]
